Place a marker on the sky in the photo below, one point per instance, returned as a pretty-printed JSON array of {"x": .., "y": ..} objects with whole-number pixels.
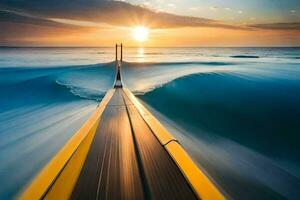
[{"x": 170, "y": 23}]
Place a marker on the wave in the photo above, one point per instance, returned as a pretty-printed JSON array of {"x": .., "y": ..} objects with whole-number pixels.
[
  {"x": 43, "y": 106},
  {"x": 85, "y": 93},
  {"x": 269, "y": 56},
  {"x": 144, "y": 64},
  {"x": 142, "y": 78},
  {"x": 244, "y": 56},
  {"x": 87, "y": 81},
  {"x": 228, "y": 121},
  {"x": 296, "y": 57},
  {"x": 92, "y": 81},
  {"x": 153, "y": 53}
]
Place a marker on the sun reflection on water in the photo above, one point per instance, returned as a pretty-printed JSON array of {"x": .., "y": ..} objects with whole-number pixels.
[{"x": 140, "y": 55}]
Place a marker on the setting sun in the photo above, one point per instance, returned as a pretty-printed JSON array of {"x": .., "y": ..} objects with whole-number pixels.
[{"x": 140, "y": 33}]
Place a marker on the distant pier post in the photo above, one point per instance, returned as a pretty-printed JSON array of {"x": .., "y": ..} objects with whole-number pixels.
[
  {"x": 121, "y": 51},
  {"x": 116, "y": 52}
]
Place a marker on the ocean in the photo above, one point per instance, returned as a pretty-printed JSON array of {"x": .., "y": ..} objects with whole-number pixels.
[{"x": 236, "y": 111}]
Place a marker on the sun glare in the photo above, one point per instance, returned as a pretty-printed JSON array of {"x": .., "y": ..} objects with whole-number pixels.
[{"x": 140, "y": 33}]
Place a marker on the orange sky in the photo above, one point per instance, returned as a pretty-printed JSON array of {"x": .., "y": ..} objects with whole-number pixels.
[
  {"x": 158, "y": 37},
  {"x": 103, "y": 23}
]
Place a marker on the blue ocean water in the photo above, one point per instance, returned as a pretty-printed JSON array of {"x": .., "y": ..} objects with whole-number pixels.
[{"x": 235, "y": 110}]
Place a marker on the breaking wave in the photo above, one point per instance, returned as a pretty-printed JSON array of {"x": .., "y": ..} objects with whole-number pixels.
[
  {"x": 244, "y": 56},
  {"x": 242, "y": 132}
]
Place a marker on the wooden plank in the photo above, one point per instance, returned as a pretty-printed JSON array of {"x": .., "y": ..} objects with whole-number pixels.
[
  {"x": 163, "y": 177},
  {"x": 111, "y": 169},
  {"x": 117, "y": 99}
]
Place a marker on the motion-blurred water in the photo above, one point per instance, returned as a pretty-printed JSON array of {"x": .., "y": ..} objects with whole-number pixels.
[{"x": 235, "y": 110}]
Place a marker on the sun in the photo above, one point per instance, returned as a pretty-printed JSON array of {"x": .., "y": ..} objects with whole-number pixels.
[{"x": 140, "y": 33}]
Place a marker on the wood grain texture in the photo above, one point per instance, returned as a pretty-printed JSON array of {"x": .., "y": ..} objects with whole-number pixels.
[
  {"x": 126, "y": 161},
  {"x": 163, "y": 177},
  {"x": 111, "y": 170}
]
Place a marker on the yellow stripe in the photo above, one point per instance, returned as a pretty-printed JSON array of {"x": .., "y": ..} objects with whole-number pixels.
[
  {"x": 200, "y": 183},
  {"x": 64, "y": 184},
  {"x": 78, "y": 144},
  {"x": 160, "y": 132},
  {"x": 137, "y": 104}
]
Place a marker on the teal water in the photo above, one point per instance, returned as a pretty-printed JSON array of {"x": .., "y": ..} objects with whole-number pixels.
[{"x": 235, "y": 110}]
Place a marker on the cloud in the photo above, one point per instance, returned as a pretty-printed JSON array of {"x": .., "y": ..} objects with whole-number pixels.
[
  {"x": 214, "y": 8},
  {"x": 111, "y": 12},
  {"x": 277, "y": 26},
  {"x": 15, "y": 17},
  {"x": 195, "y": 8},
  {"x": 16, "y": 28},
  {"x": 171, "y": 5}
]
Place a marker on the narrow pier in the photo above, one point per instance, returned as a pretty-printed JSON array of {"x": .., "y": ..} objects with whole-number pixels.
[{"x": 121, "y": 152}]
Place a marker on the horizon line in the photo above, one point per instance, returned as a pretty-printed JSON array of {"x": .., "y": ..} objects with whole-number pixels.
[{"x": 12, "y": 46}]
